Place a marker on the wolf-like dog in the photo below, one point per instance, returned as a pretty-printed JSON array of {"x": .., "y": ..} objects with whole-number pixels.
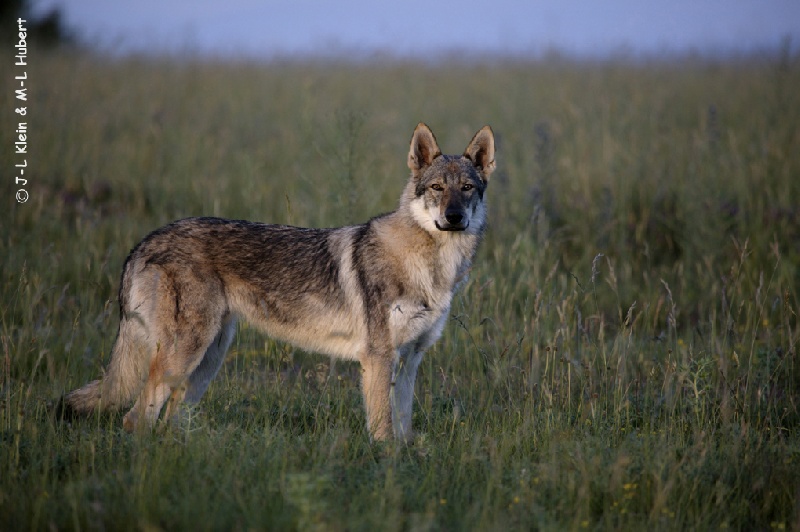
[{"x": 378, "y": 293}]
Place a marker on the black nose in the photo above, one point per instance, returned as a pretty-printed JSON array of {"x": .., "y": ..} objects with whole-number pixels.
[{"x": 454, "y": 217}]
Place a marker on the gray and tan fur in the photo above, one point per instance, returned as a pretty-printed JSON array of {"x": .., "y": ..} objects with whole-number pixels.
[{"x": 378, "y": 293}]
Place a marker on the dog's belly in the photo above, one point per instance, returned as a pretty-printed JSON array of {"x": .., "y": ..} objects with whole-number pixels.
[
  {"x": 321, "y": 337},
  {"x": 309, "y": 324},
  {"x": 325, "y": 333}
]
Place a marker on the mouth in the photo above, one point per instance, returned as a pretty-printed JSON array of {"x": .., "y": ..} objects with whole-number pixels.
[{"x": 450, "y": 227}]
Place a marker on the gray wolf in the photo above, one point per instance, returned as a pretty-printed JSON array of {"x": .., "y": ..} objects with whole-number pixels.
[{"x": 378, "y": 293}]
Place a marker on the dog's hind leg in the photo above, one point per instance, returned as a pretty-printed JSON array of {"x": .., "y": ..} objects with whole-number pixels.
[
  {"x": 169, "y": 374},
  {"x": 196, "y": 385},
  {"x": 147, "y": 407},
  {"x": 202, "y": 376},
  {"x": 190, "y": 311}
]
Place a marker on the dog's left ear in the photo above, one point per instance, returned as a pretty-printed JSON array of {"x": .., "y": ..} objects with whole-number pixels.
[{"x": 481, "y": 151}]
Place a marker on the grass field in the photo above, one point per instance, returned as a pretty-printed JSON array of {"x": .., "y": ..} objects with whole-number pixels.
[{"x": 625, "y": 355}]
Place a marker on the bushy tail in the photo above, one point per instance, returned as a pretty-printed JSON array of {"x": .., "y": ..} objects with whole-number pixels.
[{"x": 123, "y": 379}]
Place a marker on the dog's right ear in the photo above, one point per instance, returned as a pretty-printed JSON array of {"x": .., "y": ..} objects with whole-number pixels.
[{"x": 423, "y": 151}]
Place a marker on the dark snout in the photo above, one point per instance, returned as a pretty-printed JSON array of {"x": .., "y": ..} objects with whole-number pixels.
[{"x": 455, "y": 219}]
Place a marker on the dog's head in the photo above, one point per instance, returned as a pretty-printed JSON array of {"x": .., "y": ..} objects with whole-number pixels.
[{"x": 448, "y": 189}]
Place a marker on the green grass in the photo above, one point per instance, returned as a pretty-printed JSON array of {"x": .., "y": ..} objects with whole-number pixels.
[{"x": 623, "y": 357}]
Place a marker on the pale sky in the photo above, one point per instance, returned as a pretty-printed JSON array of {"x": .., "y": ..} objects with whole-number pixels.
[{"x": 426, "y": 28}]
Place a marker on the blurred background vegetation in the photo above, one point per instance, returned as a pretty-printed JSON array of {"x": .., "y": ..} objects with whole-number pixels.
[{"x": 46, "y": 30}]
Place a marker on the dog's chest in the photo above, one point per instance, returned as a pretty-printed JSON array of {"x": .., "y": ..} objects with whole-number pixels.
[
  {"x": 410, "y": 319},
  {"x": 426, "y": 298}
]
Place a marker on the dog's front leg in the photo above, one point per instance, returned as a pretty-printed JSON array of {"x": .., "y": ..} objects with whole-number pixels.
[
  {"x": 376, "y": 384},
  {"x": 403, "y": 393}
]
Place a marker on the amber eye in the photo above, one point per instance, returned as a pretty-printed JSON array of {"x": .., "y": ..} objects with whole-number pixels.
[
  {"x": 437, "y": 187},
  {"x": 467, "y": 187}
]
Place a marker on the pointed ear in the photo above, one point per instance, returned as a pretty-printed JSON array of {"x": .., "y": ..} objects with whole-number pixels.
[
  {"x": 423, "y": 149},
  {"x": 481, "y": 151}
]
